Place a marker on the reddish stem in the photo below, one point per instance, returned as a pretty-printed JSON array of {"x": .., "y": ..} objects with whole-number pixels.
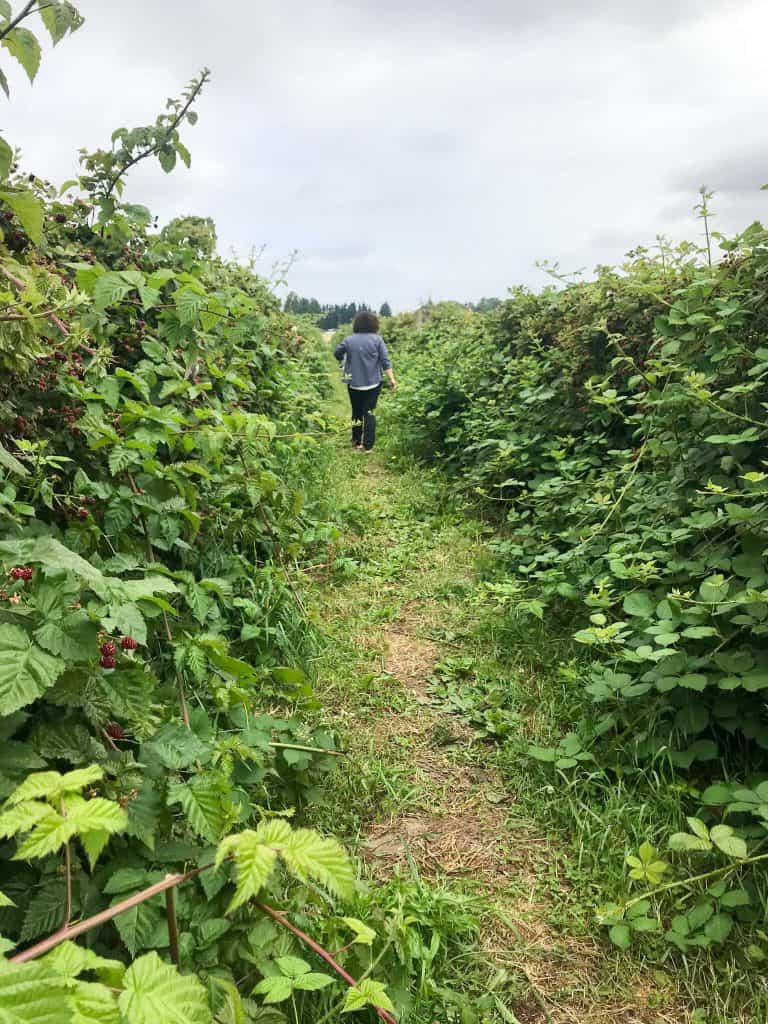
[{"x": 283, "y": 920}]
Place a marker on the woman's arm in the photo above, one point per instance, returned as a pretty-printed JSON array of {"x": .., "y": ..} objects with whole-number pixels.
[
  {"x": 386, "y": 363},
  {"x": 341, "y": 350}
]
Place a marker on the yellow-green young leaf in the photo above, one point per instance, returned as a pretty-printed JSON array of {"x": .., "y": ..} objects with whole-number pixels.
[
  {"x": 37, "y": 786},
  {"x": 204, "y": 805},
  {"x": 725, "y": 839},
  {"x": 33, "y": 994},
  {"x": 368, "y": 993},
  {"x": 48, "y": 836},
  {"x": 254, "y": 862},
  {"x": 155, "y": 992},
  {"x": 22, "y": 817},
  {"x": 93, "y": 1004},
  {"x": 364, "y": 935},
  {"x": 6, "y": 901},
  {"x": 26, "y": 671},
  {"x": 98, "y": 815},
  {"x": 70, "y": 960},
  {"x": 94, "y": 843},
  {"x": 23, "y": 45},
  {"x": 309, "y": 855},
  {"x": 80, "y": 777},
  {"x": 275, "y": 989}
]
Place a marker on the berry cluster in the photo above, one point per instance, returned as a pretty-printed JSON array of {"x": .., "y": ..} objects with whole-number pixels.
[
  {"x": 23, "y": 572},
  {"x": 108, "y": 652}
]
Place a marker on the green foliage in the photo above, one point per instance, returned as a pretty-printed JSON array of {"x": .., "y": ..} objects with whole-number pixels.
[{"x": 614, "y": 430}]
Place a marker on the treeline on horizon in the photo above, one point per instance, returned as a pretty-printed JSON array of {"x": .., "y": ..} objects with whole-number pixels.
[{"x": 330, "y": 316}]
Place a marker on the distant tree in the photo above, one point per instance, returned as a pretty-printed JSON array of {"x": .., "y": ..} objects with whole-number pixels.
[
  {"x": 386, "y": 310},
  {"x": 197, "y": 232},
  {"x": 486, "y": 305}
]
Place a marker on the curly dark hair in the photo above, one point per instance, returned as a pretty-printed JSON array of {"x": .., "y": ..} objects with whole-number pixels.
[{"x": 366, "y": 323}]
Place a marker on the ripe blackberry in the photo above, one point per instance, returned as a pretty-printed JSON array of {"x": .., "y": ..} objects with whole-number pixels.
[
  {"x": 115, "y": 731},
  {"x": 107, "y": 662},
  {"x": 108, "y": 649},
  {"x": 128, "y": 643}
]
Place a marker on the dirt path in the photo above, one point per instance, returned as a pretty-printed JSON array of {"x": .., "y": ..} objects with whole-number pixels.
[{"x": 428, "y": 797}]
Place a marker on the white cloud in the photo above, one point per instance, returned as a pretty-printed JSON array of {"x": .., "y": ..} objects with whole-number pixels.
[{"x": 427, "y": 148}]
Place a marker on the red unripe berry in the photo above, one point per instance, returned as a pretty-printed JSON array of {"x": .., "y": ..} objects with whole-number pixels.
[
  {"x": 115, "y": 731},
  {"x": 108, "y": 662},
  {"x": 108, "y": 649},
  {"x": 128, "y": 643},
  {"x": 83, "y": 512}
]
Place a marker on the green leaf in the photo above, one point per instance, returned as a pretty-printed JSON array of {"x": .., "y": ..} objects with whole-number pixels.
[
  {"x": 683, "y": 842},
  {"x": 29, "y": 210},
  {"x": 639, "y": 604},
  {"x": 364, "y": 935},
  {"x": 110, "y": 289},
  {"x": 204, "y": 804},
  {"x": 255, "y": 863},
  {"x": 26, "y": 671},
  {"x": 70, "y": 960},
  {"x": 718, "y": 928},
  {"x": 99, "y": 815},
  {"x": 309, "y": 855},
  {"x": 33, "y": 993},
  {"x": 48, "y": 836},
  {"x": 6, "y": 159},
  {"x": 7, "y": 460},
  {"x": 312, "y": 982},
  {"x": 178, "y": 747},
  {"x": 154, "y": 992},
  {"x": 23, "y": 45},
  {"x": 292, "y": 966},
  {"x": 726, "y": 840},
  {"x": 275, "y": 989},
  {"x": 368, "y": 993},
  {"x": 59, "y": 18},
  {"x": 94, "y": 1004}
]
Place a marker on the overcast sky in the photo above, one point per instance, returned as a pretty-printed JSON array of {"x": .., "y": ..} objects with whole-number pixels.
[{"x": 423, "y": 148}]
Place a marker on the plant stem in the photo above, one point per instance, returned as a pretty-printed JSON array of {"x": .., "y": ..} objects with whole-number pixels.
[
  {"x": 20, "y": 284},
  {"x": 696, "y": 878},
  {"x": 25, "y": 12},
  {"x": 173, "y": 927},
  {"x": 73, "y": 930},
  {"x": 309, "y": 750},
  {"x": 158, "y": 145},
  {"x": 282, "y": 920}
]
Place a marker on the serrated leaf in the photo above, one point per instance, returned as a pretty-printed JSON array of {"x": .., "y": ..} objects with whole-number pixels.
[
  {"x": 368, "y": 993},
  {"x": 44, "y": 913},
  {"x": 204, "y": 805},
  {"x": 309, "y": 855},
  {"x": 683, "y": 842},
  {"x": 29, "y": 210},
  {"x": 23, "y": 45},
  {"x": 726, "y": 840},
  {"x": 275, "y": 989},
  {"x": 312, "y": 982},
  {"x": 7, "y": 460},
  {"x": 59, "y": 17},
  {"x": 154, "y": 992},
  {"x": 99, "y": 815},
  {"x": 137, "y": 925},
  {"x": 47, "y": 837},
  {"x": 22, "y": 817},
  {"x": 292, "y": 966},
  {"x": 93, "y": 1004},
  {"x": 364, "y": 935},
  {"x": 70, "y": 960},
  {"x": 26, "y": 671},
  {"x": 698, "y": 828},
  {"x": 254, "y": 860},
  {"x": 32, "y": 993}
]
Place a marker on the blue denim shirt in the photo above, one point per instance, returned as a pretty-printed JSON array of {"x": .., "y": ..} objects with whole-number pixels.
[{"x": 364, "y": 357}]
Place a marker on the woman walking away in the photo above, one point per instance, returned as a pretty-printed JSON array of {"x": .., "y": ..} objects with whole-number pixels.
[{"x": 364, "y": 355}]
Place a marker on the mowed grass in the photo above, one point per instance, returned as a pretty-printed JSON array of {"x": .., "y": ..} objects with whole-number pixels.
[{"x": 438, "y": 747}]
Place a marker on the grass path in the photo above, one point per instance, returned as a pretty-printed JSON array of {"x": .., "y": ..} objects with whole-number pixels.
[{"x": 421, "y": 797}]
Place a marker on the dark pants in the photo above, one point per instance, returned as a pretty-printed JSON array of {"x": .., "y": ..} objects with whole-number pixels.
[{"x": 363, "y": 419}]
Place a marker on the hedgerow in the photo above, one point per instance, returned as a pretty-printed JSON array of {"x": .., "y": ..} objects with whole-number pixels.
[
  {"x": 616, "y": 428},
  {"x": 160, "y": 478}
]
